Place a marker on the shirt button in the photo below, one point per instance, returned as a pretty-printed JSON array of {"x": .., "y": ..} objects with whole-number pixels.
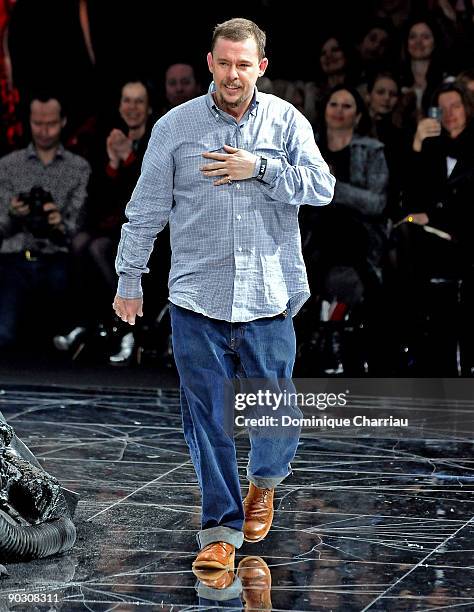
[
  {"x": 240, "y": 249},
  {"x": 239, "y": 217},
  {"x": 238, "y": 186}
]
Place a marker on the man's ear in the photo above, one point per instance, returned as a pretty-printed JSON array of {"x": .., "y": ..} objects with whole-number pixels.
[
  {"x": 210, "y": 62},
  {"x": 63, "y": 122},
  {"x": 262, "y": 66}
]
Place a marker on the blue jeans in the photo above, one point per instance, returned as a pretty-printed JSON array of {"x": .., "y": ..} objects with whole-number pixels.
[{"x": 208, "y": 353}]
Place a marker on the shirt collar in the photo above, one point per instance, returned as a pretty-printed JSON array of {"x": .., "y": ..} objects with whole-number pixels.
[
  {"x": 215, "y": 110},
  {"x": 31, "y": 151}
]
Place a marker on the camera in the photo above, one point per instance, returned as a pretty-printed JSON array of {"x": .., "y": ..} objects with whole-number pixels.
[{"x": 36, "y": 221}]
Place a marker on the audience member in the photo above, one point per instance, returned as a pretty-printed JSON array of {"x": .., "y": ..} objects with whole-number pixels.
[
  {"x": 180, "y": 84},
  {"x": 422, "y": 69},
  {"x": 346, "y": 241},
  {"x": 382, "y": 98},
  {"x": 37, "y": 225},
  {"x": 435, "y": 239},
  {"x": 375, "y": 50},
  {"x": 110, "y": 190},
  {"x": 333, "y": 63},
  {"x": 466, "y": 78},
  {"x": 333, "y": 69}
]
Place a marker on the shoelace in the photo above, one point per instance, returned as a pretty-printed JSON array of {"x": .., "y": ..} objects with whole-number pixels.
[
  {"x": 257, "y": 507},
  {"x": 223, "y": 545}
]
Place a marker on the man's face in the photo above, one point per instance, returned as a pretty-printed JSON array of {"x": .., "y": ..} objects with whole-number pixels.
[
  {"x": 46, "y": 124},
  {"x": 235, "y": 67},
  {"x": 453, "y": 117},
  {"x": 180, "y": 84},
  {"x": 134, "y": 105}
]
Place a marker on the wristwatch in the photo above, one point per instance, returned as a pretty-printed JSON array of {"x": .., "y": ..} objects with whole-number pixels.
[{"x": 262, "y": 169}]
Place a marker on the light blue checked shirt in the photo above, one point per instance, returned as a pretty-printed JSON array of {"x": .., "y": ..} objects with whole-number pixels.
[{"x": 236, "y": 248}]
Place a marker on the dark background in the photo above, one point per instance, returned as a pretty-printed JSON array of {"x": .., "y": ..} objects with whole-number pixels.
[{"x": 142, "y": 37}]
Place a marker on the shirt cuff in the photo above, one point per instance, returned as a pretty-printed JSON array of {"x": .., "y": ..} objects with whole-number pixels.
[
  {"x": 272, "y": 171},
  {"x": 256, "y": 170},
  {"x": 129, "y": 287}
]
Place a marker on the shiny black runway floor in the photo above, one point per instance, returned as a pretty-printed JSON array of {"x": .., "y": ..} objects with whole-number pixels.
[{"x": 365, "y": 522}]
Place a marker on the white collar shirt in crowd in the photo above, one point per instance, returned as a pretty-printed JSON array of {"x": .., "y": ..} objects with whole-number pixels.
[{"x": 236, "y": 248}]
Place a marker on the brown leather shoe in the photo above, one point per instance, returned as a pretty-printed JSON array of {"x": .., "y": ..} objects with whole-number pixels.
[
  {"x": 258, "y": 506},
  {"x": 215, "y": 579},
  {"x": 256, "y": 583},
  {"x": 215, "y": 556}
]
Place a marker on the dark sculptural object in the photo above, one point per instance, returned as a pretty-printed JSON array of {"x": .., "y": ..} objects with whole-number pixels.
[{"x": 35, "y": 511}]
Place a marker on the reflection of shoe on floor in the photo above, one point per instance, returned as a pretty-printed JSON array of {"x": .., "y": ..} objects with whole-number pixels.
[
  {"x": 258, "y": 507},
  {"x": 256, "y": 580},
  {"x": 213, "y": 557},
  {"x": 125, "y": 355},
  {"x": 64, "y": 343}
]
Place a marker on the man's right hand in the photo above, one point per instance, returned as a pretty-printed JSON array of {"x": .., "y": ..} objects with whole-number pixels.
[
  {"x": 128, "y": 309},
  {"x": 18, "y": 208}
]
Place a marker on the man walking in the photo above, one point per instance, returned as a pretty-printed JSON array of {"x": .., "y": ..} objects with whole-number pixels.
[{"x": 228, "y": 171}]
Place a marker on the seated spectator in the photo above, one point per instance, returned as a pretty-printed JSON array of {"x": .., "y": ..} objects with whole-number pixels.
[
  {"x": 334, "y": 64},
  {"x": 335, "y": 68},
  {"x": 38, "y": 226},
  {"x": 345, "y": 241},
  {"x": 422, "y": 69},
  {"x": 110, "y": 190},
  {"x": 383, "y": 92},
  {"x": 466, "y": 78},
  {"x": 436, "y": 238},
  {"x": 181, "y": 85},
  {"x": 375, "y": 50}
]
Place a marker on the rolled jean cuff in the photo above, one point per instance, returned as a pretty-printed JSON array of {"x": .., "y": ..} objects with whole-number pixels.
[
  {"x": 266, "y": 483},
  {"x": 231, "y": 592},
  {"x": 220, "y": 534}
]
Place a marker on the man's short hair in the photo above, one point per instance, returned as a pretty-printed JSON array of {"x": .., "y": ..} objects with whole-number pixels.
[
  {"x": 239, "y": 29},
  {"x": 46, "y": 97}
]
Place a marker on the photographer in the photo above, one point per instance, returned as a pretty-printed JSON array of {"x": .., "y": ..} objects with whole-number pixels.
[{"x": 42, "y": 195}]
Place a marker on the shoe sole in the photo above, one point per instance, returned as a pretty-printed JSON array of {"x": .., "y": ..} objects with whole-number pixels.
[{"x": 209, "y": 574}]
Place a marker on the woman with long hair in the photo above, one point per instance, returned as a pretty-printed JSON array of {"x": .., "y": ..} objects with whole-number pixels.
[{"x": 345, "y": 241}]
